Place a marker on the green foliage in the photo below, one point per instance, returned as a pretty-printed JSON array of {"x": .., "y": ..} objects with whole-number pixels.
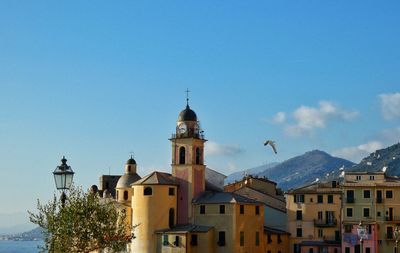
[{"x": 86, "y": 223}]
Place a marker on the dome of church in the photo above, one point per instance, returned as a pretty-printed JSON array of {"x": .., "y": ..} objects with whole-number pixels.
[
  {"x": 131, "y": 161},
  {"x": 187, "y": 115},
  {"x": 126, "y": 180}
]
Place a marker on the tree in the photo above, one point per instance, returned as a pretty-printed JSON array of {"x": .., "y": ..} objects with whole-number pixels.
[{"x": 85, "y": 224}]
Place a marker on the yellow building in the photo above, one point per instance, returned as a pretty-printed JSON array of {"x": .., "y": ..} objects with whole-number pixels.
[
  {"x": 371, "y": 198},
  {"x": 314, "y": 218},
  {"x": 276, "y": 240}
]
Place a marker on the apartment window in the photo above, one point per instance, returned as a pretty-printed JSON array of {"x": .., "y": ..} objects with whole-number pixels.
[
  {"x": 367, "y": 250},
  {"x": 389, "y": 194},
  {"x": 299, "y": 232},
  {"x": 350, "y": 196},
  {"x": 171, "y": 191},
  {"x": 222, "y": 209},
  {"x": 148, "y": 191},
  {"x": 257, "y": 210},
  {"x": 330, "y": 199},
  {"x": 202, "y": 209},
  {"x": 269, "y": 239},
  {"x": 193, "y": 240},
  {"x": 176, "y": 242},
  {"x": 358, "y": 178},
  {"x": 347, "y": 250},
  {"x": 371, "y": 177},
  {"x": 389, "y": 232},
  {"x": 298, "y": 198},
  {"x": 241, "y": 209},
  {"x": 320, "y": 233},
  {"x": 320, "y": 199},
  {"x": 310, "y": 250},
  {"x": 378, "y": 214},
  {"x": 366, "y": 212},
  {"x": 299, "y": 215},
  {"x": 279, "y": 239},
  {"x": 241, "y": 238},
  {"x": 367, "y": 194},
  {"x": 320, "y": 215},
  {"x": 165, "y": 240},
  {"x": 347, "y": 228},
  {"x": 349, "y": 212},
  {"x": 257, "y": 238},
  {"x": 221, "y": 238}
]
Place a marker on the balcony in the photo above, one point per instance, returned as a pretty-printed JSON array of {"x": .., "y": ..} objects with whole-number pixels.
[
  {"x": 325, "y": 223},
  {"x": 392, "y": 218},
  {"x": 188, "y": 134},
  {"x": 331, "y": 238}
]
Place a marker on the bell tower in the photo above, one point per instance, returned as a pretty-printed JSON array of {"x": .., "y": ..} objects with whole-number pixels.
[{"x": 188, "y": 161}]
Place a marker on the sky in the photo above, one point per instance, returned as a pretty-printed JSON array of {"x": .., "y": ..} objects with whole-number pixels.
[{"x": 97, "y": 80}]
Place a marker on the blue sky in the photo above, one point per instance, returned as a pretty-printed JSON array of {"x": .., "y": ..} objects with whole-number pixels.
[{"x": 95, "y": 80}]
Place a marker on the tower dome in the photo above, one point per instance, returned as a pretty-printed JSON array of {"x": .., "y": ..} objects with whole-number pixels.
[{"x": 187, "y": 114}]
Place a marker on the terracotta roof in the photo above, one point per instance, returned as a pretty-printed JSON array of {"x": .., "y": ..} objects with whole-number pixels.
[
  {"x": 223, "y": 197},
  {"x": 157, "y": 177}
]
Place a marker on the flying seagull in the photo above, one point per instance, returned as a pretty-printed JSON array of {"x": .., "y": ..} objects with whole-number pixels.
[{"x": 272, "y": 144}]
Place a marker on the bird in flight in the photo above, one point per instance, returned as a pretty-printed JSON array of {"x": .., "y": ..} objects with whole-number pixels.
[{"x": 272, "y": 144}]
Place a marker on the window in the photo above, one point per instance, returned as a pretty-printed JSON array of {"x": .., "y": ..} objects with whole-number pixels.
[
  {"x": 366, "y": 212},
  {"x": 176, "y": 242},
  {"x": 389, "y": 194},
  {"x": 378, "y": 214},
  {"x": 367, "y": 194},
  {"x": 182, "y": 153},
  {"x": 148, "y": 191},
  {"x": 367, "y": 250},
  {"x": 193, "y": 240},
  {"x": 369, "y": 229},
  {"x": 298, "y": 198},
  {"x": 222, "y": 209},
  {"x": 117, "y": 194},
  {"x": 125, "y": 195},
  {"x": 371, "y": 177},
  {"x": 197, "y": 155},
  {"x": 350, "y": 196},
  {"x": 279, "y": 239},
  {"x": 171, "y": 217},
  {"x": 241, "y": 209},
  {"x": 299, "y": 232},
  {"x": 310, "y": 250},
  {"x": 171, "y": 191},
  {"x": 165, "y": 240},
  {"x": 349, "y": 212},
  {"x": 202, "y": 209},
  {"x": 389, "y": 232},
  {"x": 320, "y": 232},
  {"x": 320, "y": 199},
  {"x": 129, "y": 168},
  {"x": 241, "y": 238},
  {"x": 257, "y": 210},
  {"x": 221, "y": 238},
  {"x": 320, "y": 215},
  {"x": 330, "y": 199},
  {"x": 299, "y": 215},
  {"x": 269, "y": 238},
  {"x": 358, "y": 178},
  {"x": 347, "y": 228},
  {"x": 257, "y": 238},
  {"x": 347, "y": 250}
]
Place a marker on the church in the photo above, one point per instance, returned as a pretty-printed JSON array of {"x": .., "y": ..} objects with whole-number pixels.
[{"x": 185, "y": 210}]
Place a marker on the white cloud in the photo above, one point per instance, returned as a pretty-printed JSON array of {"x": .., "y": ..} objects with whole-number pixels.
[
  {"x": 307, "y": 119},
  {"x": 390, "y": 105},
  {"x": 356, "y": 153},
  {"x": 279, "y": 118},
  {"x": 215, "y": 149}
]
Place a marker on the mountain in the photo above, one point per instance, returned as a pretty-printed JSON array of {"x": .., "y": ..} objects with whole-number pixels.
[
  {"x": 306, "y": 168},
  {"x": 236, "y": 176},
  {"x": 388, "y": 157},
  {"x": 31, "y": 235}
]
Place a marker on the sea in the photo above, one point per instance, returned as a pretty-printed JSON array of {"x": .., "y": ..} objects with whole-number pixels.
[{"x": 19, "y": 246}]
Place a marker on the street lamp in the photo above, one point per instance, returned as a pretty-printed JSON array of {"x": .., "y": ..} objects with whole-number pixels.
[
  {"x": 397, "y": 237},
  {"x": 63, "y": 175},
  {"x": 362, "y": 234}
]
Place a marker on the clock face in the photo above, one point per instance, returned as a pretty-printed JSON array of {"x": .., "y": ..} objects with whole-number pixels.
[{"x": 182, "y": 128}]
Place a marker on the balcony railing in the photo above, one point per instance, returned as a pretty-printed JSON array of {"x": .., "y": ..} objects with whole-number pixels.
[
  {"x": 392, "y": 218},
  {"x": 189, "y": 134},
  {"x": 331, "y": 238},
  {"x": 325, "y": 223}
]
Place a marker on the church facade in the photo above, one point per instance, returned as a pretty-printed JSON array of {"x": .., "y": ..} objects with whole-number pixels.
[{"x": 182, "y": 211}]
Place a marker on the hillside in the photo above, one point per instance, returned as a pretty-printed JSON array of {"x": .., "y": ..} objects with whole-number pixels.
[
  {"x": 388, "y": 157},
  {"x": 236, "y": 176},
  {"x": 305, "y": 168}
]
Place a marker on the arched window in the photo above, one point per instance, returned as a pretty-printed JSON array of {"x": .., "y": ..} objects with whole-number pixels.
[
  {"x": 171, "y": 217},
  {"x": 182, "y": 153},
  {"x": 311, "y": 250},
  {"x": 125, "y": 195},
  {"x": 197, "y": 155},
  {"x": 117, "y": 194},
  {"x": 129, "y": 168},
  {"x": 148, "y": 191}
]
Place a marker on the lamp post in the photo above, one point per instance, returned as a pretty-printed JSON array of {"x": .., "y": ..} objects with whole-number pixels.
[
  {"x": 63, "y": 176},
  {"x": 361, "y": 231},
  {"x": 396, "y": 237}
]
